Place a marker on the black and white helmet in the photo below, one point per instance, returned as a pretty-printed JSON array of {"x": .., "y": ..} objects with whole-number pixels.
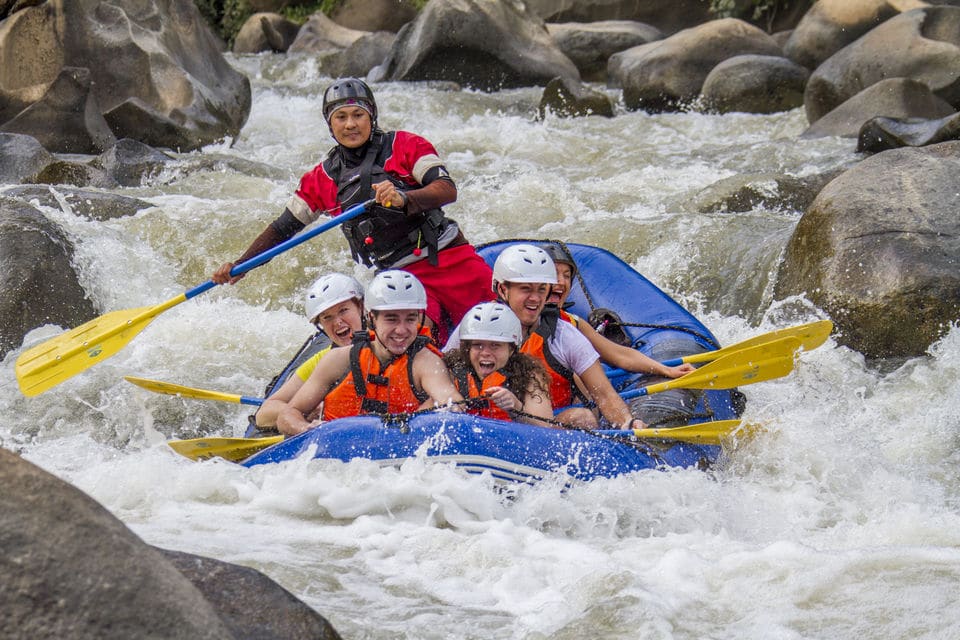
[{"x": 349, "y": 91}]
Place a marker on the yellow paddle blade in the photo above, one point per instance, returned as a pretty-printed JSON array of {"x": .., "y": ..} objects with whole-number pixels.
[
  {"x": 232, "y": 449},
  {"x": 185, "y": 392},
  {"x": 49, "y": 363},
  {"x": 746, "y": 366},
  {"x": 716, "y": 432},
  {"x": 811, "y": 336}
]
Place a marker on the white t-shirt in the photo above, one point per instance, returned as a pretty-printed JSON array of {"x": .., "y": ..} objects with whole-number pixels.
[{"x": 570, "y": 347}]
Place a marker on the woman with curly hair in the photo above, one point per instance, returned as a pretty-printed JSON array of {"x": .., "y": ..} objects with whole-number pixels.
[{"x": 499, "y": 381}]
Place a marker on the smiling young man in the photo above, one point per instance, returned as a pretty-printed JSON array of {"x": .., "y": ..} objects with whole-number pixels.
[
  {"x": 522, "y": 277},
  {"x": 394, "y": 370},
  {"x": 406, "y": 228}
]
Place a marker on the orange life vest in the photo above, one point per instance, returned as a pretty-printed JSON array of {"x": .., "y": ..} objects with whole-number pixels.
[
  {"x": 471, "y": 388},
  {"x": 563, "y": 390},
  {"x": 371, "y": 388}
]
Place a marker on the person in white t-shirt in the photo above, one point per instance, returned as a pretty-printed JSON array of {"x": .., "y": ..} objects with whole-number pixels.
[{"x": 522, "y": 278}]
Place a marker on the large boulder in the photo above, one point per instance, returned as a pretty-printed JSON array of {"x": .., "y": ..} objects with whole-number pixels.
[
  {"x": 70, "y": 569},
  {"x": 590, "y": 45},
  {"x": 320, "y": 34},
  {"x": 155, "y": 71},
  {"x": 755, "y": 84},
  {"x": 894, "y": 98},
  {"x": 923, "y": 45},
  {"x": 38, "y": 284},
  {"x": 265, "y": 32},
  {"x": 879, "y": 251},
  {"x": 484, "y": 44},
  {"x": 830, "y": 25},
  {"x": 668, "y": 75},
  {"x": 670, "y": 16},
  {"x": 374, "y": 15},
  {"x": 570, "y": 98},
  {"x": 366, "y": 52}
]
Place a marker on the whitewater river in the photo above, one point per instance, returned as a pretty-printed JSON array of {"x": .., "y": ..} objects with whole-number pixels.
[{"x": 842, "y": 521}]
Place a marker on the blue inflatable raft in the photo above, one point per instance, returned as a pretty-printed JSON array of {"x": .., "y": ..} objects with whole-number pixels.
[{"x": 637, "y": 311}]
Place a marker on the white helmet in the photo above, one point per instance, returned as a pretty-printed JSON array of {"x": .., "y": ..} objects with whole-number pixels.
[
  {"x": 329, "y": 290},
  {"x": 524, "y": 263},
  {"x": 491, "y": 321},
  {"x": 391, "y": 290}
]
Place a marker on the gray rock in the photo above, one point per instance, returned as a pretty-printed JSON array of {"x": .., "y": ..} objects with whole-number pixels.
[
  {"x": 131, "y": 163},
  {"x": 590, "y": 45},
  {"x": 668, "y": 17},
  {"x": 320, "y": 34},
  {"x": 755, "y": 84},
  {"x": 922, "y": 45},
  {"x": 156, "y": 71},
  {"x": 95, "y": 205},
  {"x": 366, "y": 52},
  {"x": 880, "y": 134},
  {"x": 895, "y": 98},
  {"x": 830, "y": 25},
  {"x": 750, "y": 191},
  {"x": 879, "y": 251},
  {"x": 67, "y": 118},
  {"x": 668, "y": 75},
  {"x": 484, "y": 44},
  {"x": 23, "y": 157},
  {"x": 570, "y": 98},
  {"x": 265, "y": 32},
  {"x": 38, "y": 284},
  {"x": 374, "y": 15}
]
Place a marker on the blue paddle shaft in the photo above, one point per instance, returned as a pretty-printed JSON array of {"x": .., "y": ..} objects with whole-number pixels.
[
  {"x": 270, "y": 254},
  {"x": 252, "y": 401}
]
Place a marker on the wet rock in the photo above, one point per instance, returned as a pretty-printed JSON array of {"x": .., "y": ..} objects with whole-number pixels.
[
  {"x": 366, "y": 52},
  {"x": 23, "y": 158},
  {"x": 78, "y": 174},
  {"x": 879, "y": 251},
  {"x": 483, "y": 44},
  {"x": 38, "y": 283},
  {"x": 751, "y": 191},
  {"x": 95, "y": 205},
  {"x": 570, "y": 98},
  {"x": 755, "y": 84},
  {"x": 880, "y": 134},
  {"x": 70, "y": 569},
  {"x": 896, "y": 98},
  {"x": 131, "y": 163}
]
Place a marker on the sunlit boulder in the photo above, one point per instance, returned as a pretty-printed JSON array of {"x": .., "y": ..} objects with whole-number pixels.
[
  {"x": 156, "y": 74},
  {"x": 879, "y": 251}
]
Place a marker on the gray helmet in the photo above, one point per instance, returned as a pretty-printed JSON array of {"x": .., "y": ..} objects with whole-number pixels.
[
  {"x": 346, "y": 91},
  {"x": 560, "y": 255}
]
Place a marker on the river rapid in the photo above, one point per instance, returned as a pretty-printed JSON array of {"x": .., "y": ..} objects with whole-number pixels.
[{"x": 841, "y": 521}]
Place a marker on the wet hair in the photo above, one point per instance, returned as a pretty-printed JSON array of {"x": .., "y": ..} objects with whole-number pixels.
[{"x": 523, "y": 372}]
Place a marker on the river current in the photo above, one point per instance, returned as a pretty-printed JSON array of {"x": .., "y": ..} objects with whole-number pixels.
[{"x": 841, "y": 521}]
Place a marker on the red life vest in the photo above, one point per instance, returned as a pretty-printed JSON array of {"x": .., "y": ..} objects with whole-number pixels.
[
  {"x": 471, "y": 388},
  {"x": 563, "y": 390},
  {"x": 371, "y": 388}
]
